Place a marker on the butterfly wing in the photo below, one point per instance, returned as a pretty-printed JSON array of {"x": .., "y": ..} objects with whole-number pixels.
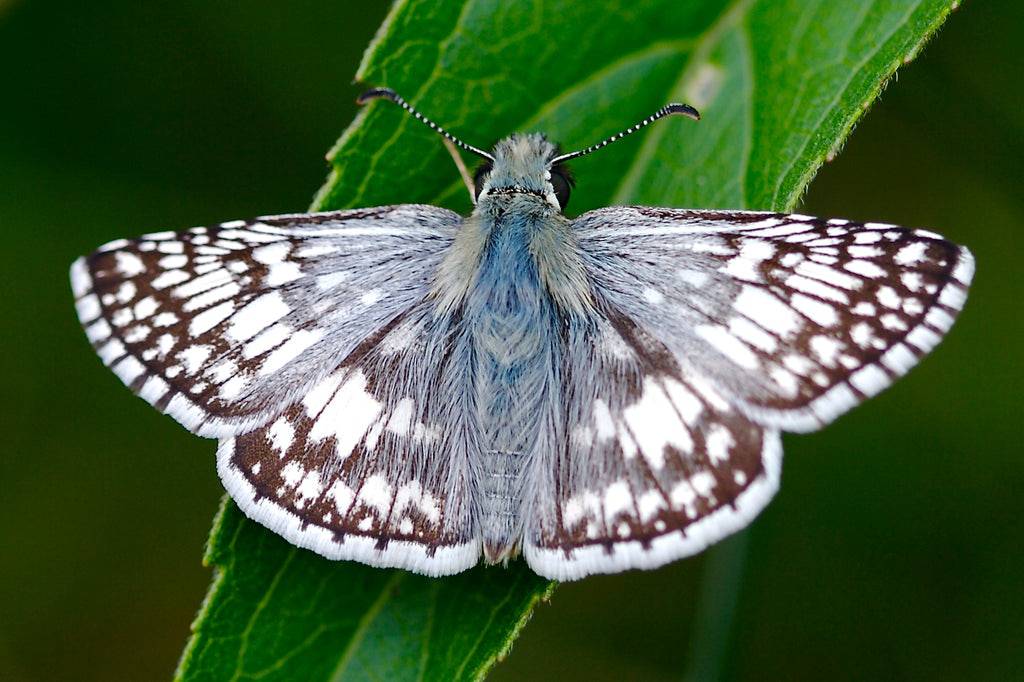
[
  {"x": 306, "y": 344},
  {"x": 794, "y": 318},
  {"x": 373, "y": 463},
  {"x": 716, "y": 331},
  {"x": 223, "y": 327},
  {"x": 654, "y": 464}
]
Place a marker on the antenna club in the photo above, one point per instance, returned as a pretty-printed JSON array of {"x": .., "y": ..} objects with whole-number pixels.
[
  {"x": 378, "y": 93},
  {"x": 682, "y": 110}
]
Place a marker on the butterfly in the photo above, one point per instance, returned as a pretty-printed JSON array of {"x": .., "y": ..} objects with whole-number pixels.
[{"x": 407, "y": 387}]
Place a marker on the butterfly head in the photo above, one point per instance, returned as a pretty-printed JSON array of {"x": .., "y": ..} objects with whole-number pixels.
[{"x": 523, "y": 164}]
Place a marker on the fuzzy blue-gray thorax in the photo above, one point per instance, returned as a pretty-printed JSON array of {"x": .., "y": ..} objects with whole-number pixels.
[{"x": 517, "y": 234}]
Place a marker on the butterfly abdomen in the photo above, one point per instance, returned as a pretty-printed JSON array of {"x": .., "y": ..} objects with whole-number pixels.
[{"x": 511, "y": 315}]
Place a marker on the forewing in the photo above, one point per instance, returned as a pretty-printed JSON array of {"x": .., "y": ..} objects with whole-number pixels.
[
  {"x": 372, "y": 463},
  {"x": 223, "y": 327},
  {"x": 792, "y": 318},
  {"x": 655, "y": 464}
]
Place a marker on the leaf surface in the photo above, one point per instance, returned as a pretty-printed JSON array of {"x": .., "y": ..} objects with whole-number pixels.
[{"x": 780, "y": 84}]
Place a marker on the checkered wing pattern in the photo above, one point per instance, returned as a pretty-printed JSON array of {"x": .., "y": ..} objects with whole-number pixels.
[
  {"x": 794, "y": 319},
  {"x": 373, "y": 463},
  {"x": 655, "y": 463},
  {"x": 224, "y": 327},
  {"x": 716, "y": 331},
  {"x": 306, "y": 344}
]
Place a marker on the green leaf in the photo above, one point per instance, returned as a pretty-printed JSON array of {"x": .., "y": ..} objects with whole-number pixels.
[
  {"x": 780, "y": 85},
  {"x": 279, "y": 612}
]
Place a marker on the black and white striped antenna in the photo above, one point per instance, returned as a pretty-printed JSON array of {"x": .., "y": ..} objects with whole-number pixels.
[
  {"x": 667, "y": 110},
  {"x": 674, "y": 108},
  {"x": 388, "y": 93}
]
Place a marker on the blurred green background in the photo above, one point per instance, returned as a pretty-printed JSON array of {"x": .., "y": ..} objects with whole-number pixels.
[{"x": 895, "y": 549}]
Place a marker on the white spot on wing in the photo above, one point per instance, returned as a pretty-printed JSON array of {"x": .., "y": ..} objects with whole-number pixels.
[
  {"x": 816, "y": 288},
  {"x": 828, "y": 275},
  {"x": 88, "y": 308},
  {"x": 292, "y": 473},
  {"x": 212, "y": 279},
  {"x": 649, "y": 504},
  {"x": 869, "y": 380},
  {"x": 331, "y": 280},
  {"x": 128, "y": 264},
  {"x": 126, "y": 292},
  {"x": 817, "y": 311},
  {"x": 233, "y": 387},
  {"x": 719, "y": 440},
  {"x": 290, "y": 349},
  {"x": 281, "y": 435},
  {"x": 603, "y": 421},
  {"x": 911, "y": 253},
  {"x": 688, "y": 405},
  {"x": 888, "y": 297},
  {"x": 343, "y": 497},
  {"x": 767, "y": 310},
  {"x": 745, "y": 330},
  {"x": 617, "y": 499},
  {"x": 282, "y": 273},
  {"x": 728, "y": 345},
  {"x": 270, "y": 254},
  {"x": 229, "y": 290},
  {"x": 694, "y": 278},
  {"x": 653, "y": 296},
  {"x": 309, "y": 489},
  {"x": 401, "y": 417},
  {"x": 210, "y": 318},
  {"x": 145, "y": 308},
  {"x": 745, "y": 264},
  {"x": 81, "y": 282},
  {"x": 864, "y": 308},
  {"x": 865, "y": 268},
  {"x": 271, "y": 337},
  {"x": 376, "y": 494},
  {"x": 169, "y": 279},
  {"x": 257, "y": 315},
  {"x": 655, "y": 425},
  {"x": 173, "y": 262},
  {"x": 193, "y": 357},
  {"x": 348, "y": 415},
  {"x": 317, "y": 398},
  {"x": 372, "y": 296},
  {"x": 826, "y": 349},
  {"x": 400, "y": 337}
]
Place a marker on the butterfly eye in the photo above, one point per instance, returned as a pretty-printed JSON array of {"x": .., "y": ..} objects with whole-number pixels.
[
  {"x": 561, "y": 183},
  {"x": 480, "y": 177}
]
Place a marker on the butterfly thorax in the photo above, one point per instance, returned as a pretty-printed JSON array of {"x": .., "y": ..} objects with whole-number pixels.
[{"x": 517, "y": 206}]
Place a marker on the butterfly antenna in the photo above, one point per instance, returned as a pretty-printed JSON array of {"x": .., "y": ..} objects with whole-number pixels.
[
  {"x": 388, "y": 93},
  {"x": 667, "y": 110}
]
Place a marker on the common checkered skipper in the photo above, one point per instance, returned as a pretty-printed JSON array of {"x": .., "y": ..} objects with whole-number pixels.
[{"x": 406, "y": 387}]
